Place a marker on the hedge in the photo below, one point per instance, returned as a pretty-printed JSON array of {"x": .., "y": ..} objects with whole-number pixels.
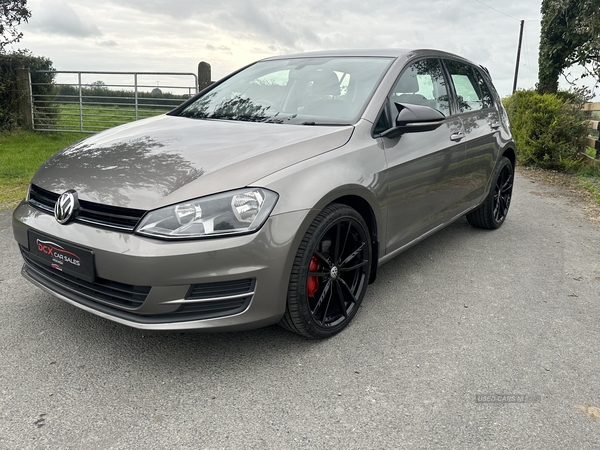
[
  {"x": 11, "y": 92},
  {"x": 549, "y": 129}
]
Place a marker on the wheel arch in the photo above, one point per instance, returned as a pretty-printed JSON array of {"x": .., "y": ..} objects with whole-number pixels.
[
  {"x": 365, "y": 202},
  {"x": 511, "y": 155},
  {"x": 363, "y": 207}
]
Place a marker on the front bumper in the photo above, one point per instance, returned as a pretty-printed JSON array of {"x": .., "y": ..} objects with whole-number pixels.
[{"x": 232, "y": 283}]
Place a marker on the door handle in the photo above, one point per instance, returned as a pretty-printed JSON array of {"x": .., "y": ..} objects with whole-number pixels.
[{"x": 457, "y": 136}]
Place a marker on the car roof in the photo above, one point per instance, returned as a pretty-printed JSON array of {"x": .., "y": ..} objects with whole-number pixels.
[
  {"x": 381, "y": 52},
  {"x": 378, "y": 52},
  {"x": 386, "y": 52}
]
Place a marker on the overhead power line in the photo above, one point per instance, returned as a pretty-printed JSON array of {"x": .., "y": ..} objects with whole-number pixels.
[{"x": 498, "y": 11}]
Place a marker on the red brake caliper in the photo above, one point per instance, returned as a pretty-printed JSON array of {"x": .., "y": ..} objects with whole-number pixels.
[{"x": 313, "y": 282}]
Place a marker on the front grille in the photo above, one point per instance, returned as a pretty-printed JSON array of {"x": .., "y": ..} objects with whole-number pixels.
[
  {"x": 235, "y": 288},
  {"x": 95, "y": 214},
  {"x": 101, "y": 290}
]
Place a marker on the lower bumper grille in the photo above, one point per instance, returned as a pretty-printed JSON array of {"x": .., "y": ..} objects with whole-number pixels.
[
  {"x": 120, "y": 300},
  {"x": 214, "y": 309},
  {"x": 105, "y": 291},
  {"x": 234, "y": 288}
]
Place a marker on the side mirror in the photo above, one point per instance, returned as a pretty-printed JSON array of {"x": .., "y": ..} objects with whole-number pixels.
[{"x": 415, "y": 118}]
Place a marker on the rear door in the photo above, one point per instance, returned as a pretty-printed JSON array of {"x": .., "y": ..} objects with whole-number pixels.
[{"x": 481, "y": 123}]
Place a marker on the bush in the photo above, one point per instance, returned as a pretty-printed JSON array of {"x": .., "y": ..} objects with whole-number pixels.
[
  {"x": 549, "y": 129},
  {"x": 11, "y": 92}
]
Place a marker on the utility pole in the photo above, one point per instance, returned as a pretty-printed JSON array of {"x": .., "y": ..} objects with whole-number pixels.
[{"x": 518, "y": 57}]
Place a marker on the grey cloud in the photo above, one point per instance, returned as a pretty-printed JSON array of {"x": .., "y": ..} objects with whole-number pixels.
[
  {"x": 291, "y": 25},
  {"x": 180, "y": 9},
  {"x": 107, "y": 44},
  {"x": 258, "y": 27},
  {"x": 269, "y": 25},
  {"x": 56, "y": 17},
  {"x": 220, "y": 48}
]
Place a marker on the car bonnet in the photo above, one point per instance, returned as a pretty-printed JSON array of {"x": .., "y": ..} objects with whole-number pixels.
[{"x": 166, "y": 159}]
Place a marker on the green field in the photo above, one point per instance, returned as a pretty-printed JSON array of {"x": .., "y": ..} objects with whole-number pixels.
[
  {"x": 92, "y": 119},
  {"x": 21, "y": 153}
]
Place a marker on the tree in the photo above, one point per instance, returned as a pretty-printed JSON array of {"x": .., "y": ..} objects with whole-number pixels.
[
  {"x": 12, "y": 13},
  {"x": 570, "y": 36}
]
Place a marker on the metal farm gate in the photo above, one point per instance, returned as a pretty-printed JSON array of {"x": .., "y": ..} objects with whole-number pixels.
[{"x": 90, "y": 102}]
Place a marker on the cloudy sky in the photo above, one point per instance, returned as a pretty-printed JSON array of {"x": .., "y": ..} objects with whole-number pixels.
[{"x": 160, "y": 35}]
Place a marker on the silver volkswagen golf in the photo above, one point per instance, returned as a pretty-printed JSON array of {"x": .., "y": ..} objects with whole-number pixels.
[{"x": 273, "y": 195}]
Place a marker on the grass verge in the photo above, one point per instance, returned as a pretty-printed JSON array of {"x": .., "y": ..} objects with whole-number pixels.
[
  {"x": 21, "y": 153},
  {"x": 589, "y": 180}
]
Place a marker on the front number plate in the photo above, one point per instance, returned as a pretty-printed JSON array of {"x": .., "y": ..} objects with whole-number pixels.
[{"x": 61, "y": 256}]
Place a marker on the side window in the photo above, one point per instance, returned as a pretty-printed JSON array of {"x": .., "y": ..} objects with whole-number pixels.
[
  {"x": 467, "y": 87},
  {"x": 422, "y": 83},
  {"x": 486, "y": 95},
  {"x": 383, "y": 123}
]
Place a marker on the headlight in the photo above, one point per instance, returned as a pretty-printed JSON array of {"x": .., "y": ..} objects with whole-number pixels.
[{"x": 234, "y": 212}]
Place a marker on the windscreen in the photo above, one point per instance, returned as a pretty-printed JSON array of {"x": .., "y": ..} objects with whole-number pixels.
[{"x": 307, "y": 91}]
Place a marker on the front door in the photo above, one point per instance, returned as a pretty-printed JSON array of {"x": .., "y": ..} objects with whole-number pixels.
[{"x": 426, "y": 184}]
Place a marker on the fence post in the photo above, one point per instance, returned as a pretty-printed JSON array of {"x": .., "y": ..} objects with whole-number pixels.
[
  {"x": 135, "y": 81},
  {"x": 592, "y": 141},
  {"x": 80, "y": 103},
  {"x": 24, "y": 97},
  {"x": 204, "y": 75}
]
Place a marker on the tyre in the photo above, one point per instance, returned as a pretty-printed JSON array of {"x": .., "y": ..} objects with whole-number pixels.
[
  {"x": 330, "y": 274},
  {"x": 492, "y": 212}
]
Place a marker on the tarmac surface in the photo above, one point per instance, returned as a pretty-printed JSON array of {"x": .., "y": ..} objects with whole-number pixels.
[{"x": 470, "y": 340}]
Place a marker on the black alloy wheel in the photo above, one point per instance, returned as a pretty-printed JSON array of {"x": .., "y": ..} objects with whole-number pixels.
[
  {"x": 502, "y": 193},
  {"x": 494, "y": 209},
  {"x": 330, "y": 274}
]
